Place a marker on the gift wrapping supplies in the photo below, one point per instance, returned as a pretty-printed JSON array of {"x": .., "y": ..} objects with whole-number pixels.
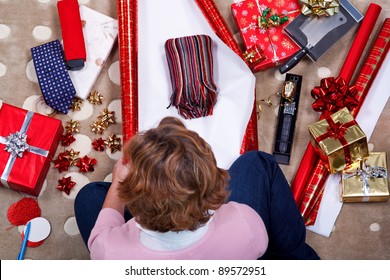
[
  {"x": 261, "y": 25},
  {"x": 307, "y": 178},
  {"x": 363, "y": 82},
  {"x": 128, "y": 49},
  {"x": 28, "y": 141},
  {"x": 58, "y": 85},
  {"x": 373, "y": 77}
]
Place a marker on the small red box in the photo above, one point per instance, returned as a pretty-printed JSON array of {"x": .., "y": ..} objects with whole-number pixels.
[
  {"x": 276, "y": 45},
  {"x": 28, "y": 141}
]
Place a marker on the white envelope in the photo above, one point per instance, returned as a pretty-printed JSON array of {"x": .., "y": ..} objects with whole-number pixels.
[{"x": 100, "y": 33}]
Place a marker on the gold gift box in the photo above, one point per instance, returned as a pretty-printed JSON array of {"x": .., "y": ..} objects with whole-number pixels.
[
  {"x": 353, "y": 188},
  {"x": 331, "y": 149}
]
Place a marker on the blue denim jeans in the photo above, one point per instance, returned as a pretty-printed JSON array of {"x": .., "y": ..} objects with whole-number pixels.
[{"x": 256, "y": 180}]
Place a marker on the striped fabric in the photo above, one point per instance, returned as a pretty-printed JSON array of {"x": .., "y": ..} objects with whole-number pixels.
[{"x": 190, "y": 63}]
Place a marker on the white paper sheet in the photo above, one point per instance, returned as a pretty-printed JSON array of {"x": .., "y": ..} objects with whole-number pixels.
[
  {"x": 367, "y": 119},
  {"x": 100, "y": 33},
  {"x": 224, "y": 131}
]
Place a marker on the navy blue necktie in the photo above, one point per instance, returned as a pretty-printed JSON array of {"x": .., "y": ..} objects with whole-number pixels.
[{"x": 56, "y": 86}]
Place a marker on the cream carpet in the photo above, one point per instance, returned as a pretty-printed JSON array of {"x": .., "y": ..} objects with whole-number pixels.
[{"x": 362, "y": 230}]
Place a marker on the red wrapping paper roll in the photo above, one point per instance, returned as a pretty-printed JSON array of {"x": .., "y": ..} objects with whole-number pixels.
[
  {"x": 128, "y": 48},
  {"x": 72, "y": 31},
  {"x": 305, "y": 169},
  {"x": 128, "y": 44},
  {"x": 364, "y": 80}
]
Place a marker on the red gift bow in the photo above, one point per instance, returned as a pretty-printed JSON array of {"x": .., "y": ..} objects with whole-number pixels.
[
  {"x": 337, "y": 130},
  {"x": 334, "y": 94}
]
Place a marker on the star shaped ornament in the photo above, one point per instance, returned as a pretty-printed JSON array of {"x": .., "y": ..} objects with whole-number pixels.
[
  {"x": 67, "y": 139},
  {"x": 99, "y": 144},
  {"x": 76, "y": 104},
  {"x": 95, "y": 98},
  {"x": 86, "y": 164},
  {"x": 65, "y": 185},
  {"x": 72, "y": 126},
  {"x": 72, "y": 156},
  {"x": 98, "y": 127},
  {"x": 107, "y": 117},
  {"x": 114, "y": 143},
  {"x": 61, "y": 163}
]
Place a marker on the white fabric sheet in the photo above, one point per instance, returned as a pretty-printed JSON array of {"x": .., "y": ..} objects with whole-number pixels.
[
  {"x": 224, "y": 131},
  {"x": 367, "y": 118}
]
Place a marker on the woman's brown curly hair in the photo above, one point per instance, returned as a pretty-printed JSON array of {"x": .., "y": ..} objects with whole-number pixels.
[{"x": 174, "y": 180}]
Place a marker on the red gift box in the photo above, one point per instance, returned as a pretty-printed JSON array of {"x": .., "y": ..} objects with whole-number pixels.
[
  {"x": 28, "y": 140},
  {"x": 276, "y": 45}
]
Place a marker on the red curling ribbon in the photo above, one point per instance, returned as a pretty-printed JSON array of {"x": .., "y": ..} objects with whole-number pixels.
[
  {"x": 23, "y": 211},
  {"x": 332, "y": 95},
  {"x": 72, "y": 30}
]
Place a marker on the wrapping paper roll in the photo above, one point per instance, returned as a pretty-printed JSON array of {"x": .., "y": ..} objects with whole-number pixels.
[{"x": 128, "y": 36}]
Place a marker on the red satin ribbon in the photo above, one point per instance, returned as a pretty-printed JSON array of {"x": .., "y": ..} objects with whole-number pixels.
[{"x": 332, "y": 95}]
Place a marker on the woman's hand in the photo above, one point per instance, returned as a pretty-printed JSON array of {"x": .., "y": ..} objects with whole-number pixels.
[{"x": 120, "y": 172}]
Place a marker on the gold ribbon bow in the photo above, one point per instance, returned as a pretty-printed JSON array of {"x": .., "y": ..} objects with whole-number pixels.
[{"x": 320, "y": 7}]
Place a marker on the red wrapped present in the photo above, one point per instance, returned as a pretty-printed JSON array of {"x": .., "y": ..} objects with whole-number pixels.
[
  {"x": 27, "y": 142},
  {"x": 261, "y": 23}
]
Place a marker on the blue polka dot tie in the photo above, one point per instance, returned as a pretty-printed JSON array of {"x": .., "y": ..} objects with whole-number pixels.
[{"x": 56, "y": 85}]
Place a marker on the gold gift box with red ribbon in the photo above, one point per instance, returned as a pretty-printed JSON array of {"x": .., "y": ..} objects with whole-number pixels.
[
  {"x": 339, "y": 140},
  {"x": 366, "y": 180}
]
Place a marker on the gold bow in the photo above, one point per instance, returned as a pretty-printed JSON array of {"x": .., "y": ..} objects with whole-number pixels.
[
  {"x": 249, "y": 56},
  {"x": 320, "y": 7}
]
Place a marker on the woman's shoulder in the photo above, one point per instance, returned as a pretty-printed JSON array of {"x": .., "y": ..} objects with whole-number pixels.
[
  {"x": 238, "y": 208},
  {"x": 237, "y": 213}
]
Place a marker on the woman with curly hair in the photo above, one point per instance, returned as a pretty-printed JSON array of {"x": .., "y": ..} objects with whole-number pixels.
[{"x": 169, "y": 200}]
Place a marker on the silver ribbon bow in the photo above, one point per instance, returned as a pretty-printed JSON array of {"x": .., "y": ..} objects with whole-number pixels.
[
  {"x": 16, "y": 144},
  {"x": 366, "y": 172}
]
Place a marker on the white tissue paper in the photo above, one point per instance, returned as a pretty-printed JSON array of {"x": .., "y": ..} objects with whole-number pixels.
[{"x": 224, "y": 130}]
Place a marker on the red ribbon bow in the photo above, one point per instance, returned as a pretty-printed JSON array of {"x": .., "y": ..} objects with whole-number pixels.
[
  {"x": 332, "y": 95},
  {"x": 337, "y": 130}
]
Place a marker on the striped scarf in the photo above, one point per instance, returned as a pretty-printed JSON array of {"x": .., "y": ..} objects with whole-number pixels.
[{"x": 190, "y": 63}]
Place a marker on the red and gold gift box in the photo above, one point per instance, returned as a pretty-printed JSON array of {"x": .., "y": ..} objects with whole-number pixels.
[
  {"x": 339, "y": 140},
  {"x": 28, "y": 140},
  {"x": 276, "y": 45},
  {"x": 366, "y": 180}
]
